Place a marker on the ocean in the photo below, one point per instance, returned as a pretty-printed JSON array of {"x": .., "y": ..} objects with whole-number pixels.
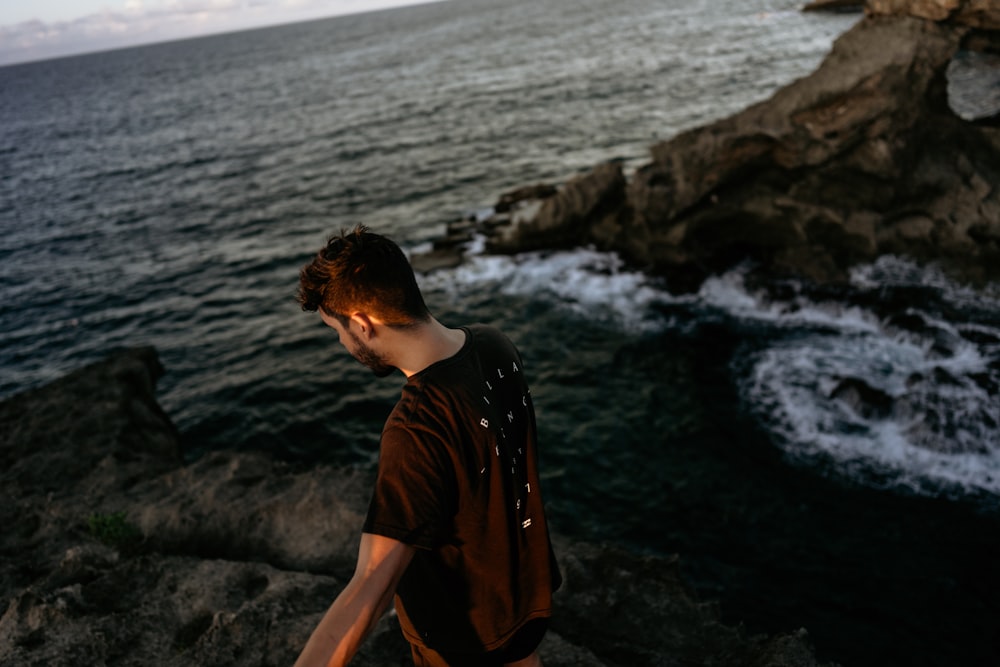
[{"x": 820, "y": 458}]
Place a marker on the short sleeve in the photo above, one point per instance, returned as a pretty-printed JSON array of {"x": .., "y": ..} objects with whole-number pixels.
[{"x": 413, "y": 498}]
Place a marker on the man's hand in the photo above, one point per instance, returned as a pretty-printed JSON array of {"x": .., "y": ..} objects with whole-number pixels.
[{"x": 381, "y": 564}]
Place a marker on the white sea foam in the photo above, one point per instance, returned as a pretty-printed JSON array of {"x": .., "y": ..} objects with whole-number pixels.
[
  {"x": 729, "y": 293},
  {"x": 893, "y": 271},
  {"x": 590, "y": 284},
  {"x": 942, "y": 429}
]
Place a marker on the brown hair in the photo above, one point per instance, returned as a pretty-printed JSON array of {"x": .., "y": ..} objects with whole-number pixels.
[{"x": 362, "y": 271}]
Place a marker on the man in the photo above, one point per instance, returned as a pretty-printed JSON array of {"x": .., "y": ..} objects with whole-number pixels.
[{"x": 455, "y": 530}]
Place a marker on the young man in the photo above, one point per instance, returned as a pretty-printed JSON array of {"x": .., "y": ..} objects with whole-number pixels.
[{"x": 455, "y": 530}]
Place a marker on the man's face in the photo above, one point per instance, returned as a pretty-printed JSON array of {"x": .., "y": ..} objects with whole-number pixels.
[{"x": 357, "y": 347}]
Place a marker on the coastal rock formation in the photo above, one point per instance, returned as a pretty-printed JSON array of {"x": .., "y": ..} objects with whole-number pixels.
[
  {"x": 862, "y": 158},
  {"x": 114, "y": 551},
  {"x": 564, "y": 216}
]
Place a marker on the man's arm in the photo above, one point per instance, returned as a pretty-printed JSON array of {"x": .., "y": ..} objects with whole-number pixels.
[{"x": 381, "y": 563}]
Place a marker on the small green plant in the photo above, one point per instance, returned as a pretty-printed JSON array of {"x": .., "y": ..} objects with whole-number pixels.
[{"x": 113, "y": 530}]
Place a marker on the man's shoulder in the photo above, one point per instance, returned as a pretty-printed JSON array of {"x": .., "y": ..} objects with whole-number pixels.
[{"x": 487, "y": 335}]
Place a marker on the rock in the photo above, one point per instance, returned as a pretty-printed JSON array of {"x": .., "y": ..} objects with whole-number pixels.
[
  {"x": 240, "y": 555},
  {"x": 865, "y": 400},
  {"x": 508, "y": 200},
  {"x": 819, "y": 177},
  {"x": 565, "y": 218},
  {"x": 862, "y": 158},
  {"x": 164, "y": 610},
  {"x": 69, "y": 448},
  {"x": 536, "y": 217},
  {"x": 250, "y": 506},
  {"x": 436, "y": 259},
  {"x": 49, "y": 436}
]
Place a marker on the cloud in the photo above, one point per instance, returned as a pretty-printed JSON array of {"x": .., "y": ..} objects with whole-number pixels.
[{"x": 145, "y": 21}]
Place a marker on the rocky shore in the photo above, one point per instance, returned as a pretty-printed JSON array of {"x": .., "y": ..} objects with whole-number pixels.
[
  {"x": 114, "y": 552},
  {"x": 865, "y": 157}
]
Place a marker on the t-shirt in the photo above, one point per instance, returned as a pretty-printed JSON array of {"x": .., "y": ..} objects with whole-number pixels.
[{"x": 458, "y": 479}]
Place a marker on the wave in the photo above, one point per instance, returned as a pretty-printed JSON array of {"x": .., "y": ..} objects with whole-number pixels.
[
  {"x": 890, "y": 382},
  {"x": 886, "y": 391},
  {"x": 584, "y": 283}
]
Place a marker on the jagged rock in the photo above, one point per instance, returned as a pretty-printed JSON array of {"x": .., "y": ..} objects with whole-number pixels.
[
  {"x": 71, "y": 446},
  {"x": 240, "y": 555},
  {"x": 862, "y": 158},
  {"x": 250, "y": 506},
  {"x": 448, "y": 251},
  {"x": 538, "y": 191},
  {"x": 862, "y": 398},
  {"x": 47, "y": 436},
  {"x": 563, "y": 219},
  {"x": 166, "y": 610},
  {"x": 438, "y": 258}
]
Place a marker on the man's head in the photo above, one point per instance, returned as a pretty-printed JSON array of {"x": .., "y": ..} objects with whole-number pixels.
[
  {"x": 362, "y": 272},
  {"x": 357, "y": 280}
]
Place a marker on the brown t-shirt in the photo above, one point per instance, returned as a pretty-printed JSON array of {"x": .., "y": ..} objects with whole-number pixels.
[{"x": 458, "y": 479}]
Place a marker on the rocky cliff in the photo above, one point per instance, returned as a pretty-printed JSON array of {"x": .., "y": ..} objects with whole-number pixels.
[
  {"x": 116, "y": 552},
  {"x": 862, "y": 158}
]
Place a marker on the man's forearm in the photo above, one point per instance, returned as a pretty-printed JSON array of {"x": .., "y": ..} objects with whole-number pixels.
[
  {"x": 343, "y": 628},
  {"x": 381, "y": 563}
]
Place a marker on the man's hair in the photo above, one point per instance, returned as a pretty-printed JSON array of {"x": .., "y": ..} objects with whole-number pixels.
[{"x": 361, "y": 271}]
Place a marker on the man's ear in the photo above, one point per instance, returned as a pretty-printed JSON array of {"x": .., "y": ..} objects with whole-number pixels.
[{"x": 364, "y": 324}]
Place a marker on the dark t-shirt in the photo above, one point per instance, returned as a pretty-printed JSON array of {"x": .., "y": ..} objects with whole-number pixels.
[{"x": 458, "y": 479}]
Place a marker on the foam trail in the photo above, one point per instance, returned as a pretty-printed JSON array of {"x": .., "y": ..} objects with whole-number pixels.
[
  {"x": 585, "y": 282},
  {"x": 729, "y": 294},
  {"x": 930, "y": 423},
  {"x": 939, "y": 428}
]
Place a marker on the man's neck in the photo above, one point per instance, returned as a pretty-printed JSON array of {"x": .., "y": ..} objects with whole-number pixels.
[{"x": 426, "y": 345}]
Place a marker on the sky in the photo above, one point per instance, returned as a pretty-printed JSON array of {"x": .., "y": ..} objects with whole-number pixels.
[{"x": 41, "y": 29}]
